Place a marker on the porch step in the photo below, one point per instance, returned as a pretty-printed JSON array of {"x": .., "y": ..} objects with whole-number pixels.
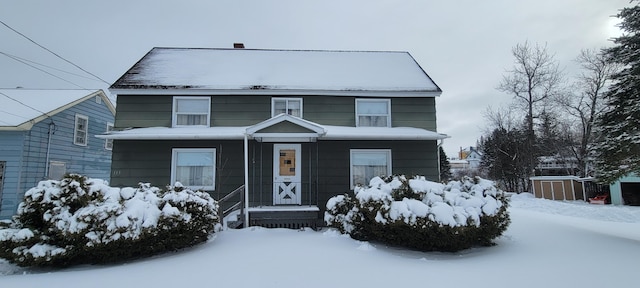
[{"x": 290, "y": 219}]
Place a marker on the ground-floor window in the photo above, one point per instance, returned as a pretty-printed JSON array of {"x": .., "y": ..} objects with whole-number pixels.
[
  {"x": 369, "y": 163},
  {"x": 57, "y": 169},
  {"x": 194, "y": 167}
]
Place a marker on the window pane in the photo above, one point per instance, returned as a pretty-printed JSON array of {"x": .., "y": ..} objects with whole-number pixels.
[
  {"x": 187, "y": 119},
  {"x": 366, "y": 165},
  {"x": 194, "y": 158},
  {"x": 372, "y": 121},
  {"x": 192, "y": 106},
  {"x": 279, "y": 107},
  {"x": 377, "y": 107},
  {"x": 195, "y": 168}
]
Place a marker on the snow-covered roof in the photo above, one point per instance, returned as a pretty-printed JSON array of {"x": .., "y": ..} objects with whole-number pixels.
[
  {"x": 21, "y": 108},
  {"x": 238, "y": 71},
  {"x": 229, "y": 133}
]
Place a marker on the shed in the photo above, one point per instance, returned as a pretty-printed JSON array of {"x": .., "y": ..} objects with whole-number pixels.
[{"x": 559, "y": 187}]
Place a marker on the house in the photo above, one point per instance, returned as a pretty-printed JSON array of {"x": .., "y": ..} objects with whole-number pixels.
[
  {"x": 47, "y": 133},
  {"x": 557, "y": 165},
  {"x": 472, "y": 155},
  {"x": 286, "y": 129}
]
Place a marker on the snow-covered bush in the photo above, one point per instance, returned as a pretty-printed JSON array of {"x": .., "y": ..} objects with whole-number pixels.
[
  {"x": 422, "y": 215},
  {"x": 79, "y": 220}
]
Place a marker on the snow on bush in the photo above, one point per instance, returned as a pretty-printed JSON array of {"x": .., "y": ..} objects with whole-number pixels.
[
  {"x": 420, "y": 214},
  {"x": 80, "y": 220}
]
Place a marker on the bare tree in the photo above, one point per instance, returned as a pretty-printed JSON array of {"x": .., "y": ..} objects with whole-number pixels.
[
  {"x": 534, "y": 80},
  {"x": 587, "y": 100}
]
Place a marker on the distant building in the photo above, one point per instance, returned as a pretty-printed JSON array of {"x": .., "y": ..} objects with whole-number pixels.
[
  {"x": 472, "y": 155},
  {"x": 556, "y": 166}
]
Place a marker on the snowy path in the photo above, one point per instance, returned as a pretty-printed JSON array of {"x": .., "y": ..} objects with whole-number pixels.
[{"x": 541, "y": 248}]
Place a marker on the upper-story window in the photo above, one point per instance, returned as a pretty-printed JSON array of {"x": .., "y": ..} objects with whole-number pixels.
[
  {"x": 191, "y": 111},
  {"x": 373, "y": 112},
  {"x": 291, "y": 106},
  {"x": 81, "y": 129}
]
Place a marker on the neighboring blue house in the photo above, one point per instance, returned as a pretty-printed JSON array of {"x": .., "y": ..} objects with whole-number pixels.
[{"x": 47, "y": 133}]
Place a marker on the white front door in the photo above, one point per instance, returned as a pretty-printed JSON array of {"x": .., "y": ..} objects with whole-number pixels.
[{"x": 286, "y": 174}]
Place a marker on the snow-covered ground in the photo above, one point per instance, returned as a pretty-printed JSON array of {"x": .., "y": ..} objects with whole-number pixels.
[{"x": 549, "y": 244}]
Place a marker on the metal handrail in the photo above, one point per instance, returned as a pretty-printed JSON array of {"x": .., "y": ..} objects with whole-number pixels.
[{"x": 235, "y": 206}]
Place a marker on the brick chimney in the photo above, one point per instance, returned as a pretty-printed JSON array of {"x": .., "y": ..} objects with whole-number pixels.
[{"x": 238, "y": 45}]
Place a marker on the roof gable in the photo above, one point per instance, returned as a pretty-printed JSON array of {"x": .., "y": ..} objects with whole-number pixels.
[
  {"x": 287, "y": 124},
  {"x": 255, "y": 71}
]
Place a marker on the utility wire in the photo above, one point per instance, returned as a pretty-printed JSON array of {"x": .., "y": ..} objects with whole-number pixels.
[
  {"x": 43, "y": 65},
  {"x": 45, "y": 48},
  {"x": 34, "y": 67},
  {"x": 45, "y": 113}
]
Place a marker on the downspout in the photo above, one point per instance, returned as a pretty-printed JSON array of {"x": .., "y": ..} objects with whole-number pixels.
[
  {"x": 439, "y": 160},
  {"x": 246, "y": 180},
  {"x": 52, "y": 127}
]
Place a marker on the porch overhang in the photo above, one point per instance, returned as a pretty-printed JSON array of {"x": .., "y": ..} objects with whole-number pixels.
[{"x": 280, "y": 128}]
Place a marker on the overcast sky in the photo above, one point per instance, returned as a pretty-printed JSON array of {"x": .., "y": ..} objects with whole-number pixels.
[{"x": 464, "y": 45}]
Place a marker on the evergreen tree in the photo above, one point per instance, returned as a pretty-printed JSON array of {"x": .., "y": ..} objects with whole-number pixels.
[
  {"x": 445, "y": 166},
  {"x": 504, "y": 158},
  {"x": 617, "y": 150}
]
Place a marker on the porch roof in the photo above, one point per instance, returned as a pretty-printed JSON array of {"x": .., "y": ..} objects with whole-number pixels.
[{"x": 237, "y": 133}]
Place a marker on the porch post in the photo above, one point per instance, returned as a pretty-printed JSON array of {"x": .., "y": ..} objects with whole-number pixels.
[{"x": 246, "y": 180}]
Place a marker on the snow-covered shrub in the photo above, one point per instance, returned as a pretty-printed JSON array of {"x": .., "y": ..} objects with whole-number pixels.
[
  {"x": 422, "y": 215},
  {"x": 79, "y": 220}
]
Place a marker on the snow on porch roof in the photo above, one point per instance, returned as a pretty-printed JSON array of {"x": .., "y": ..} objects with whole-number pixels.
[
  {"x": 254, "y": 70},
  {"x": 237, "y": 133}
]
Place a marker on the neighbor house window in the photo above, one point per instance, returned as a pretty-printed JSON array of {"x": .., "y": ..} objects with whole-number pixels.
[
  {"x": 108, "y": 143},
  {"x": 81, "y": 130},
  {"x": 291, "y": 106},
  {"x": 191, "y": 111},
  {"x": 194, "y": 167},
  {"x": 373, "y": 112},
  {"x": 57, "y": 169},
  {"x": 369, "y": 163}
]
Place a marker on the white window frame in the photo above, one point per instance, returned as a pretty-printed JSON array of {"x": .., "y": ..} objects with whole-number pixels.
[
  {"x": 108, "y": 143},
  {"x": 386, "y": 152},
  {"x": 174, "y": 158},
  {"x": 174, "y": 112},
  {"x": 85, "y": 131},
  {"x": 388, "y": 114},
  {"x": 273, "y": 105}
]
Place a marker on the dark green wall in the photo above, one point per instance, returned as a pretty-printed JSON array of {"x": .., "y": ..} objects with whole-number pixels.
[
  {"x": 325, "y": 167},
  {"x": 241, "y": 110}
]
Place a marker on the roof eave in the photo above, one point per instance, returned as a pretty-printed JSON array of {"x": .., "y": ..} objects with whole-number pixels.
[{"x": 192, "y": 91}]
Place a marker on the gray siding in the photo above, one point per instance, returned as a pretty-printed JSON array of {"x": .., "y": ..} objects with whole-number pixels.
[
  {"x": 11, "y": 152},
  {"x": 407, "y": 157},
  {"x": 92, "y": 160},
  {"x": 325, "y": 166},
  {"x": 239, "y": 110}
]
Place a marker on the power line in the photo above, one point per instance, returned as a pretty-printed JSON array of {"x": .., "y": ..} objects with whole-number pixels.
[
  {"x": 43, "y": 65},
  {"x": 45, "y": 113},
  {"x": 45, "y": 48},
  {"x": 34, "y": 67}
]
